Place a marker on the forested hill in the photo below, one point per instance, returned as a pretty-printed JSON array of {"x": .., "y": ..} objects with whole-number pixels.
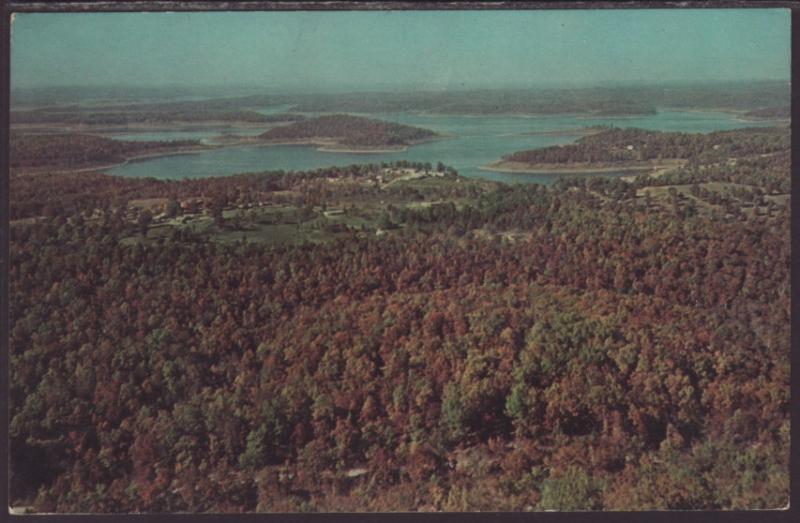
[
  {"x": 350, "y": 130},
  {"x": 74, "y": 150},
  {"x": 631, "y": 145}
]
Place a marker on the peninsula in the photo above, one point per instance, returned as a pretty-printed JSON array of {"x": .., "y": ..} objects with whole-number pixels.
[{"x": 639, "y": 150}]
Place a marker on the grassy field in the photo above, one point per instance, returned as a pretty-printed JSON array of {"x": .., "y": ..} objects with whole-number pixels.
[{"x": 274, "y": 225}]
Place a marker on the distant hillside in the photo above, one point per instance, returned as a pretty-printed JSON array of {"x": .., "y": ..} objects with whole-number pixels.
[
  {"x": 623, "y": 100},
  {"x": 598, "y": 101},
  {"x": 347, "y": 130},
  {"x": 485, "y": 102},
  {"x": 68, "y": 116}
]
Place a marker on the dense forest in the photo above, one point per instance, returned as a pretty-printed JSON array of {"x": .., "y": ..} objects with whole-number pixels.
[
  {"x": 631, "y": 145},
  {"x": 435, "y": 343},
  {"x": 75, "y": 150},
  {"x": 350, "y": 130}
]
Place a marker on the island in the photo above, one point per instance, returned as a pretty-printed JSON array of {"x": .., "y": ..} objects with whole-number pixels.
[{"x": 348, "y": 133}]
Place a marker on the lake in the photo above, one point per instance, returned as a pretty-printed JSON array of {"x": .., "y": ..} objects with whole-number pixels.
[{"x": 473, "y": 141}]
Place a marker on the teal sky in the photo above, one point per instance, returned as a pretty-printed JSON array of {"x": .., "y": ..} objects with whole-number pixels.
[{"x": 397, "y": 49}]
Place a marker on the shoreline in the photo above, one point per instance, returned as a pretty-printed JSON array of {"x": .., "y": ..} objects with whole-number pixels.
[
  {"x": 559, "y": 170},
  {"x": 770, "y": 121},
  {"x": 321, "y": 145},
  {"x": 328, "y": 149},
  {"x": 131, "y": 159},
  {"x": 332, "y": 146},
  {"x": 580, "y": 115},
  {"x": 577, "y": 131},
  {"x": 738, "y": 114}
]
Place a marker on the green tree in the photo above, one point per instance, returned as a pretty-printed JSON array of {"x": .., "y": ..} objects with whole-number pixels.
[
  {"x": 145, "y": 218},
  {"x": 255, "y": 454},
  {"x": 572, "y": 490},
  {"x": 173, "y": 208},
  {"x": 216, "y": 213},
  {"x": 453, "y": 418}
]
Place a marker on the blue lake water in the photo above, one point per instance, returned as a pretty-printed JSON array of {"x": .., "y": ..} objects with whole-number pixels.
[{"x": 473, "y": 141}]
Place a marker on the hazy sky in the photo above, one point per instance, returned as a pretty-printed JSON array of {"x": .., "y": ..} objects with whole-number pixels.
[{"x": 426, "y": 50}]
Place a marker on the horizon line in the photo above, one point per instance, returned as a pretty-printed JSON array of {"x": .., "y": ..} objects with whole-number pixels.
[{"x": 403, "y": 87}]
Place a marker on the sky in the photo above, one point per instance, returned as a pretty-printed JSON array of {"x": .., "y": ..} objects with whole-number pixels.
[{"x": 386, "y": 50}]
